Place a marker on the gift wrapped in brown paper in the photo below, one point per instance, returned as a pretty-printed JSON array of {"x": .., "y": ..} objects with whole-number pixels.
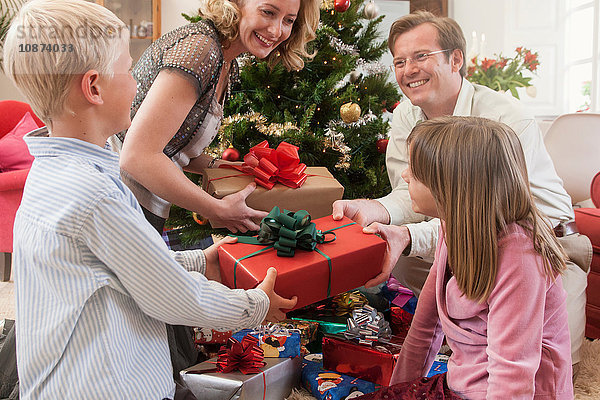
[{"x": 316, "y": 195}]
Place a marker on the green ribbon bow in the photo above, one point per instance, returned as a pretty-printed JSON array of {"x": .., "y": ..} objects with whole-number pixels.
[{"x": 287, "y": 231}]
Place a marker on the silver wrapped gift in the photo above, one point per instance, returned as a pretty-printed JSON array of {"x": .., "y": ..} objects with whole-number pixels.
[{"x": 276, "y": 381}]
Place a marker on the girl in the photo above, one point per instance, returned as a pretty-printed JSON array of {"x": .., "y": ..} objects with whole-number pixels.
[{"x": 495, "y": 288}]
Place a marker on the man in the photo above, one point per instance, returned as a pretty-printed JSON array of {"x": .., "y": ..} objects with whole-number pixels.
[{"x": 430, "y": 69}]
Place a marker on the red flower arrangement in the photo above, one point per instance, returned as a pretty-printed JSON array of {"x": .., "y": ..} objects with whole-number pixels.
[{"x": 504, "y": 73}]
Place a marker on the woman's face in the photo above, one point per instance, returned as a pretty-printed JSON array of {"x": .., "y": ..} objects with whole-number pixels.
[
  {"x": 420, "y": 195},
  {"x": 264, "y": 24}
]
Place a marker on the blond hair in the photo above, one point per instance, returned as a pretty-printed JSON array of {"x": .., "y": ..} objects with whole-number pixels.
[
  {"x": 476, "y": 171},
  {"x": 225, "y": 14},
  {"x": 50, "y": 42},
  {"x": 450, "y": 35}
]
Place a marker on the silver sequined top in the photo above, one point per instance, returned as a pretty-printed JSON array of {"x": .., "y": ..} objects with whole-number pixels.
[{"x": 196, "y": 50}]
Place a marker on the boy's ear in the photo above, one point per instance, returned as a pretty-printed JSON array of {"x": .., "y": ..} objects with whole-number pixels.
[{"x": 90, "y": 87}]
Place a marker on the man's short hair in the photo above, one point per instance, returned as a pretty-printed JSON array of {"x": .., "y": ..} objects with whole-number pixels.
[
  {"x": 450, "y": 35},
  {"x": 50, "y": 42}
]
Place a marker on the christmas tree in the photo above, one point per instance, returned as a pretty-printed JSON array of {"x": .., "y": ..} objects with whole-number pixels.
[{"x": 332, "y": 109}]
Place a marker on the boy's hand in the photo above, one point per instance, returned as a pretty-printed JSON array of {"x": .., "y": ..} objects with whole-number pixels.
[
  {"x": 213, "y": 272},
  {"x": 276, "y": 302}
]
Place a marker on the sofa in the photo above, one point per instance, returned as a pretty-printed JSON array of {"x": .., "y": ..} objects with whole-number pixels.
[
  {"x": 588, "y": 223},
  {"x": 13, "y": 123}
]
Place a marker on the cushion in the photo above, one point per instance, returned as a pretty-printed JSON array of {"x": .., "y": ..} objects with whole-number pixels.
[
  {"x": 588, "y": 224},
  {"x": 595, "y": 190},
  {"x": 14, "y": 154}
]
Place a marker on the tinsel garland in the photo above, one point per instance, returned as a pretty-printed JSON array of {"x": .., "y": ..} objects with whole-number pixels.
[
  {"x": 371, "y": 68},
  {"x": 341, "y": 47},
  {"x": 336, "y": 139},
  {"x": 259, "y": 121}
]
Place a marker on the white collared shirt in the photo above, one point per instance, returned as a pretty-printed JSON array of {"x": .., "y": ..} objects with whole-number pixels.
[{"x": 473, "y": 100}]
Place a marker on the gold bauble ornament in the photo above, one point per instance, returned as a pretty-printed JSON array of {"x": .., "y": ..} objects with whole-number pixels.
[
  {"x": 200, "y": 220},
  {"x": 350, "y": 112}
]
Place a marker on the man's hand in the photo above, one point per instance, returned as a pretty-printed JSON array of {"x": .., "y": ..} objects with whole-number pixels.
[
  {"x": 361, "y": 211},
  {"x": 233, "y": 213},
  {"x": 397, "y": 238},
  {"x": 276, "y": 302},
  {"x": 213, "y": 271}
]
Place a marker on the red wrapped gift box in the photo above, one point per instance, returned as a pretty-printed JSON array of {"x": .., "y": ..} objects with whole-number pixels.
[
  {"x": 355, "y": 257},
  {"x": 207, "y": 336},
  {"x": 400, "y": 321},
  {"x": 374, "y": 364}
]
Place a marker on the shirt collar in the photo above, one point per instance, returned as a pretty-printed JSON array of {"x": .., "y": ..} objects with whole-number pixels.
[
  {"x": 465, "y": 99},
  {"x": 42, "y": 145}
]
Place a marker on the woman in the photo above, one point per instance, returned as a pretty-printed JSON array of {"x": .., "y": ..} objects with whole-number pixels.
[
  {"x": 495, "y": 289},
  {"x": 183, "y": 79}
]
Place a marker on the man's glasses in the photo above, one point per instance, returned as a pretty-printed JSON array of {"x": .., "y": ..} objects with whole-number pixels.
[{"x": 419, "y": 59}]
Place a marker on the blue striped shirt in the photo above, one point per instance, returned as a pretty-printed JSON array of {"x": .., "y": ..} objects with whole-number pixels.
[{"x": 95, "y": 283}]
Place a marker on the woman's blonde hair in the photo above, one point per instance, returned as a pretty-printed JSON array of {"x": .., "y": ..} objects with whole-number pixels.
[
  {"x": 50, "y": 42},
  {"x": 476, "y": 171},
  {"x": 225, "y": 14}
]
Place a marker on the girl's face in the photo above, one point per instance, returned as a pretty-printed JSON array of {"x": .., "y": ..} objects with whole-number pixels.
[
  {"x": 420, "y": 195},
  {"x": 264, "y": 24}
]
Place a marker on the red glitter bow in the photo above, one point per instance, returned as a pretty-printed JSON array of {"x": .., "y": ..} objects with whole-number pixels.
[
  {"x": 270, "y": 166},
  {"x": 246, "y": 356}
]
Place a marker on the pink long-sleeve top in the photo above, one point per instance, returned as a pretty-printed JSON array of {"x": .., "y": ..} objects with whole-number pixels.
[{"x": 515, "y": 345}]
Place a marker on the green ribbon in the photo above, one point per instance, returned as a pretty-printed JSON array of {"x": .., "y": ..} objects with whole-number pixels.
[{"x": 287, "y": 231}]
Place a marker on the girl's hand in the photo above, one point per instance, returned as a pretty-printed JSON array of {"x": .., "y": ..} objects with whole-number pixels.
[{"x": 397, "y": 238}]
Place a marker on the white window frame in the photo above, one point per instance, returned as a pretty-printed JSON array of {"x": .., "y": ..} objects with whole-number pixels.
[{"x": 594, "y": 60}]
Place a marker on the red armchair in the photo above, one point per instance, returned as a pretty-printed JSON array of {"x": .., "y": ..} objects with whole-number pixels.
[
  {"x": 11, "y": 184},
  {"x": 588, "y": 223}
]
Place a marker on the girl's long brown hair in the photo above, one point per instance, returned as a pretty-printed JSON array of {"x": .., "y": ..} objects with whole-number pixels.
[{"x": 476, "y": 171}]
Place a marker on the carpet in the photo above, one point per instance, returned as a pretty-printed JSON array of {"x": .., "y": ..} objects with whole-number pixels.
[{"x": 587, "y": 386}]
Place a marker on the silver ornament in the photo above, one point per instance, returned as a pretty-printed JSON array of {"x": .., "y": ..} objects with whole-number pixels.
[{"x": 371, "y": 10}]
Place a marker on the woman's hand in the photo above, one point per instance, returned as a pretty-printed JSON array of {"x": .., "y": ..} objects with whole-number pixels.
[
  {"x": 233, "y": 213},
  {"x": 397, "y": 238},
  {"x": 213, "y": 270}
]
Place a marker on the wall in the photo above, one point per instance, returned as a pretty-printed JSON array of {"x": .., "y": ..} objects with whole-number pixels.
[
  {"x": 508, "y": 24},
  {"x": 170, "y": 19},
  {"x": 171, "y": 13},
  {"x": 8, "y": 91},
  {"x": 480, "y": 16},
  {"x": 490, "y": 17}
]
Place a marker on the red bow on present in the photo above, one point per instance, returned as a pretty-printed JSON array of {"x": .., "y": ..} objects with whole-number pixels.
[
  {"x": 246, "y": 356},
  {"x": 270, "y": 166}
]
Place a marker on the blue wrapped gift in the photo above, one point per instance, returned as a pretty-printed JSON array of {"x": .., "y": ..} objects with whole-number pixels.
[
  {"x": 331, "y": 385},
  {"x": 440, "y": 365},
  {"x": 276, "y": 341}
]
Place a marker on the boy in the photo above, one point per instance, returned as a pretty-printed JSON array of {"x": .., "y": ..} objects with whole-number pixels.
[{"x": 95, "y": 283}]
